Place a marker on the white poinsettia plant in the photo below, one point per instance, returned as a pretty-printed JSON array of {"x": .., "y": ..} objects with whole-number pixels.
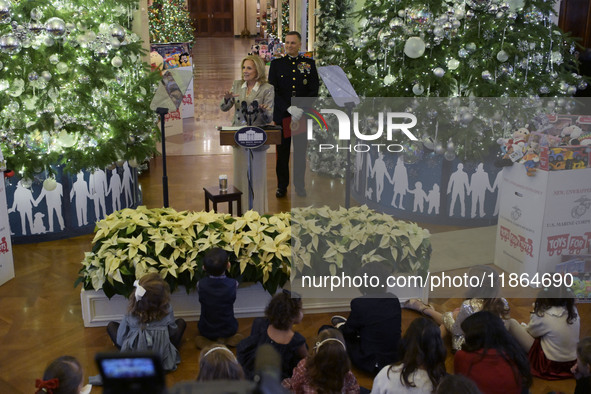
[
  {"x": 262, "y": 248},
  {"x": 132, "y": 242},
  {"x": 332, "y": 241}
]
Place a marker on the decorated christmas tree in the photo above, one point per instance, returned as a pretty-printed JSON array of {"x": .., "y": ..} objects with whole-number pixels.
[
  {"x": 284, "y": 18},
  {"x": 170, "y": 22},
  {"x": 474, "y": 48},
  {"x": 74, "y": 90},
  {"x": 335, "y": 25}
]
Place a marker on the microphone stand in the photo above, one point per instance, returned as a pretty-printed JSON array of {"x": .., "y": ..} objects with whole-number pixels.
[{"x": 163, "y": 111}]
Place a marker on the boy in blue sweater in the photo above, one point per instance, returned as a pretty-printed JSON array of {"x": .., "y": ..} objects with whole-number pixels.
[{"x": 217, "y": 294}]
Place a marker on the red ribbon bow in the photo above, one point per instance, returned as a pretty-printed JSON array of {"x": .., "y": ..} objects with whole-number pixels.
[{"x": 47, "y": 385}]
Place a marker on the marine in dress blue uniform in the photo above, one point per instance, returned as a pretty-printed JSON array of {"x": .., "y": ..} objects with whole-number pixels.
[{"x": 292, "y": 76}]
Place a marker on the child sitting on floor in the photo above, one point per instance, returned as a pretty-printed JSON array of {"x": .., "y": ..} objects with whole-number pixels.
[
  {"x": 149, "y": 324},
  {"x": 64, "y": 375},
  {"x": 372, "y": 331},
  {"x": 218, "y": 362},
  {"x": 217, "y": 294},
  {"x": 422, "y": 363},
  {"x": 491, "y": 357},
  {"x": 326, "y": 370},
  {"x": 276, "y": 329},
  {"x": 483, "y": 298},
  {"x": 551, "y": 336}
]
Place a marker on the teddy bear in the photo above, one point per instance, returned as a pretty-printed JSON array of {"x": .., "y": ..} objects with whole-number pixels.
[
  {"x": 513, "y": 148},
  {"x": 156, "y": 61}
]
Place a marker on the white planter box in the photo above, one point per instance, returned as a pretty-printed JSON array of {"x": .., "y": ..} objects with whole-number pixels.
[{"x": 251, "y": 300}]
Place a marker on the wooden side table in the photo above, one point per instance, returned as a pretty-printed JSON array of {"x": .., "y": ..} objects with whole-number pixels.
[{"x": 214, "y": 194}]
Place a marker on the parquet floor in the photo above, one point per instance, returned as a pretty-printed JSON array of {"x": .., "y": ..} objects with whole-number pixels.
[{"x": 40, "y": 313}]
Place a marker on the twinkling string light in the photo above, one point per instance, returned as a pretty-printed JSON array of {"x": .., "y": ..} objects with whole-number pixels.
[{"x": 64, "y": 105}]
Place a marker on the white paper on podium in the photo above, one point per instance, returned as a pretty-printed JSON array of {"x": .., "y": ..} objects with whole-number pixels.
[{"x": 6, "y": 260}]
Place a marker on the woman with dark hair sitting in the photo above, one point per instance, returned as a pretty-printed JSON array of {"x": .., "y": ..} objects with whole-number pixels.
[
  {"x": 326, "y": 370},
  {"x": 421, "y": 365},
  {"x": 491, "y": 357}
]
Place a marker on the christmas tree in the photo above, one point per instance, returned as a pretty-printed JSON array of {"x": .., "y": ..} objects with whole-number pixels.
[
  {"x": 170, "y": 22},
  {"x": 284, "y": 18},
  {"x": 335, "y": 25},
  {"x": 74, "y": 90},
  {"x": 474, "y": 48}
]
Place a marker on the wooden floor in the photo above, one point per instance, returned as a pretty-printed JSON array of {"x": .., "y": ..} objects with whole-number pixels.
[{"x": 40, "y": 313}]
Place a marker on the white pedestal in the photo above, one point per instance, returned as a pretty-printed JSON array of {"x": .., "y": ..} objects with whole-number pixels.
[{"x": 251, "y": 300}]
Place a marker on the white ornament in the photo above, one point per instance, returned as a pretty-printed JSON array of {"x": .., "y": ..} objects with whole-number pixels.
[
  {"x": 49, "y": 184},
  {"x": 116, "y": 62},
  {"x": 453, "y": 64},
  {"x": 438, "y": 72},
  {"x": 502, "y": 56},
  {"x": 414, "y": 47},
  {"x": 65, "y": 139}
]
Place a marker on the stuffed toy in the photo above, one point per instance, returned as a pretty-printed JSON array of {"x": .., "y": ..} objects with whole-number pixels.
[
  {"x": 156, "y": 61},
  {"x": 531, "y": 158},
  {"x": 570, "y": 135},
  {"x": 513, "y": 148},
  {"x": 184, "y": 59}
]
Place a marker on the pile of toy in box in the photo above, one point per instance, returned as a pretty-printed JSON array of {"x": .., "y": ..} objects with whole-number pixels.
[
  {"x": 560, "y": 142},
  {"x": 580, "y": 267}
]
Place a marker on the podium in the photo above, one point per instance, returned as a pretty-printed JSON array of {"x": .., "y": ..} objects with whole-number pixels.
[{"x": 250, "y": 165}]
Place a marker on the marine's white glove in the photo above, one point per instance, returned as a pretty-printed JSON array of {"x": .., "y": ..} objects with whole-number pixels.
[{"x": 295, "y": 112}]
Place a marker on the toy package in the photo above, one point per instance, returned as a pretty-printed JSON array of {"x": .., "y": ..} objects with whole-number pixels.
[
  {"x": 170, "y": 56},
  {"x": 559, "y": 142}
]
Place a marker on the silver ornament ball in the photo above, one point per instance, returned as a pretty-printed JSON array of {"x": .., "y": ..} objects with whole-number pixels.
[
  {"x": 102, "y": 51},
  {"x": 36, "y": 14},
  {"x": 502, "y": 56},
  {"x": 10, "y": 44},
  {"x": 56, "y": 27},
  {"x": 118, "y": 32}
]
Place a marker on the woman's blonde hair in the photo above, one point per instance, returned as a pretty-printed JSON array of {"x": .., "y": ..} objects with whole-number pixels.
[{"x": 259, "y": 65}]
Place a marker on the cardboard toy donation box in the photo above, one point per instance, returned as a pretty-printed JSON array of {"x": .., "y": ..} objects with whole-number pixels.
[{"x": 542, "y": 218}]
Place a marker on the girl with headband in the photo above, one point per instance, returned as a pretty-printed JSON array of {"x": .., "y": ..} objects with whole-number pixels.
[
  {"x": 149, "y": 324},
  {"x": 218, "y": 362},
  {"x": 326, "y": 370}
]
